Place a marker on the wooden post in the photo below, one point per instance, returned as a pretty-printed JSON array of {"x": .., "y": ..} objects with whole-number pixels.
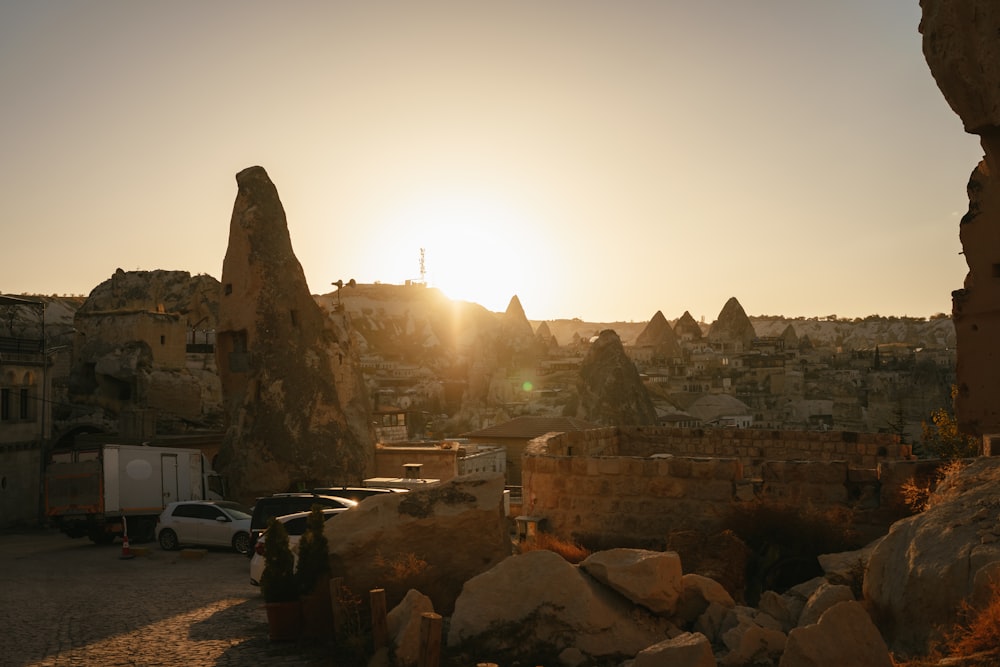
[
  {"x": 430, "y": 640},
  {"x": 380, "y": 624}
]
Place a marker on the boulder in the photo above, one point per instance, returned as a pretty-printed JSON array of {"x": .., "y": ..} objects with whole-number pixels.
[
  {"x": 697, "y": 594},
  {"x": 686, "y": 650},
  {"x": 432, "y": 539},
  {"x": 928, "y": 564},
  {"x": 749, "y": 643},
  {"x": 822, "y": 599},
  {"x": 537, "y": 604},
  {"x": 403, "y": 624},
  {"x": 844, "y": 635},
  {"x": 649, "y": 578}
]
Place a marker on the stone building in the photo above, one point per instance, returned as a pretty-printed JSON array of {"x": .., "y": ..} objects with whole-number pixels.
[{"x": 25, "y": 417}]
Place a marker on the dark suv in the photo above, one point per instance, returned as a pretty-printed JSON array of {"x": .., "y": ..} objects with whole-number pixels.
[
  {"x": 356, "y": 493},
  {"x": 281, "y": 504}
]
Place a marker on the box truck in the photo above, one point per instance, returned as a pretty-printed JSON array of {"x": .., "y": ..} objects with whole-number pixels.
[{"x": 102, "y": 490}]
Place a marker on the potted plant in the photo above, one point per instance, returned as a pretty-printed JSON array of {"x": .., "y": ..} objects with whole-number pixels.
[
  {"x": 279, "y": 585},
  {"x": 312, "y": 575}
]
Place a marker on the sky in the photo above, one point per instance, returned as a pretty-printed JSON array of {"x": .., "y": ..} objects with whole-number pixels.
[{"x": 600, "y": 160}]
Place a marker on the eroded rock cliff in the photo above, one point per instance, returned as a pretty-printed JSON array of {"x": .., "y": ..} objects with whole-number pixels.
[
  {"x": 961, "y": 42},
  {"x": 296, "y": 409}
]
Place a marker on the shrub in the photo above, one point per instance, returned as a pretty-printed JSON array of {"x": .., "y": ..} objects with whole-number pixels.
[
  {"x": 401, "y": 567},
  {"x": 570, "y": 551},
  {"x": 314, "y": 556},
  {"x": 278, "y": 581},
  {"x": 980, "y": 629},
  {"x": 920, "y": 495}
]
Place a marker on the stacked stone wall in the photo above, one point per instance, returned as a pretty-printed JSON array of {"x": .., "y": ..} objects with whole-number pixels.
[
  {"x": 621, "y": 486},
  {"x": 751, "y": 446}
]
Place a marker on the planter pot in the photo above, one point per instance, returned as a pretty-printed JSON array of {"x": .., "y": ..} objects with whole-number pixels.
[
  {"x": 284, "y": 620},
  {"x": 317, "y": 612}
]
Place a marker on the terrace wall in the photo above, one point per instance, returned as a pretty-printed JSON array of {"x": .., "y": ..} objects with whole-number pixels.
[{"x": 625, "y": 486}]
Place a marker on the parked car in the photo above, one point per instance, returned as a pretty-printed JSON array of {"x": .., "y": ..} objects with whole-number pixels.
[
  {"x": 281, "y": 504},
  {"x": 217, "y": 523},
  {"x": 357, "y": 493},
  {"x": 295, "y": 525}
]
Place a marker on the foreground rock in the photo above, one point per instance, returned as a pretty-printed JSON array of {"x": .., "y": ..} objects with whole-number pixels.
[
  {"x": 844, "y": 635},
  {"x": 961, "y": 42},
  {"x": 920, "y": 573},
  {"x": 430, "y": 539},
  {"x": 537, "y": 604},
  {"x": 649, "y": 578}
]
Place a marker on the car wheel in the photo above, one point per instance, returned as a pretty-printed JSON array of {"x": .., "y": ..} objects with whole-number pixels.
[
  {"x": 168, "y": 540},
  {"x": 241, "y": 543}
]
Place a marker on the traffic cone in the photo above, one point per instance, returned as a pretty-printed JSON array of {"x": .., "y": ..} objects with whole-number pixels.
[{"x": 126, "y": 552}]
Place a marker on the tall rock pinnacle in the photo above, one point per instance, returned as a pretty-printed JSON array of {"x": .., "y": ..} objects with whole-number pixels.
[
  {"x": 961, "y": 42},
  {"x": 296, "y": 409}
]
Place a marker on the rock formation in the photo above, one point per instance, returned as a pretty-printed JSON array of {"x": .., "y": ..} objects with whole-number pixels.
[
  {"x": 687, "y": 329},
  {"x": 610, "y": 390},
  {"x": 537, "y": 604},
  {"x": 130, "y": 348},
  {"x": 732, "y": 331},
  {"x": 660, "y": 337},
  {"x": 514, "y": 324},
  {"x": 297, "y": 411},
  {"x": 961, "y": 42}
]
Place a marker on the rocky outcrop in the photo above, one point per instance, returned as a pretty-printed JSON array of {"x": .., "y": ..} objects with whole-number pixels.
[
  {"x": 961, "y": 42},
  {"x": 403, "y": 624},
  {"x": 928, "y": 564},
  {"x": 537, "y": 604},
  {"x": 296, "y": 407},
  {"x": 732, "y": 331},
  {"x": 610, "y": 390},
  {"x": 130, "y": 347},
  {"x": 660, "y": 338},
  {"x": 687, "y": 329},
  {"x": 430, "y": 539},
  {"x": 514, "y": 324},
  {"x": 194, "y": 298}
]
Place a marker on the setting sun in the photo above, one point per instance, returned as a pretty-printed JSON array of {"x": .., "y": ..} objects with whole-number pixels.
[{"x": 477, "y": 247}]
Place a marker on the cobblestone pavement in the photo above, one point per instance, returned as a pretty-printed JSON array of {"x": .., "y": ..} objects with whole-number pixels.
[{"x": 69, "y": 602}]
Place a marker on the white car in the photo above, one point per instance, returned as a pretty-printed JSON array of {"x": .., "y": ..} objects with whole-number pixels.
[
  {"x": 214, "y": 523},
  {"x": 295, "y": 525}
]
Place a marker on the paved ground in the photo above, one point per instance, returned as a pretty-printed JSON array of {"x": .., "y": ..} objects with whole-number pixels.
[{"x": 68, "y": 602}]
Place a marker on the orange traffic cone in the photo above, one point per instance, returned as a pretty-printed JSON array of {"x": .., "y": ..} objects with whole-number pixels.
[{"x": 126, "y": 552}]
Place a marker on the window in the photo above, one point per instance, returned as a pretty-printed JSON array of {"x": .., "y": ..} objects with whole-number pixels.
[
  {"x": 4, "y": 404},
  {"x": 23, "y": 405}
]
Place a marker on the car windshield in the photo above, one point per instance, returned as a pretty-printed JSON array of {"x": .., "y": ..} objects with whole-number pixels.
[{"x": 234, "y": 510}]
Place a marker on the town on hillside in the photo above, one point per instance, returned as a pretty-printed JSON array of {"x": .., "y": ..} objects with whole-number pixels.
[{"x": 142, "y": 347}]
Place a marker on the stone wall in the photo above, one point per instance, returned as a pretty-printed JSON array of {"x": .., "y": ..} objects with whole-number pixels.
[
  {"x": 622, "y": 486},
  {"x": 19, "y": 484},
  {"x": 751, "y": 446}
]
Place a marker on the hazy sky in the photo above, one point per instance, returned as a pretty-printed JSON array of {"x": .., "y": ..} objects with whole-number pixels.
[{"x": 601, "y": 160}]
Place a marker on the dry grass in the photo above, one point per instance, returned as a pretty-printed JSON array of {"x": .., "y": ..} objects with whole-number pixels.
[
  {"x": 400, "y": 567},
  {"x": 980, "y": 629},
  {"x": 920, "y": 495},
  {"x": 570, "y": 551}
]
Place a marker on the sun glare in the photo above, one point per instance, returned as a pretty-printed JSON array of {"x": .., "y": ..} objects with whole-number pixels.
[{"x": 473, "y": 245}]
